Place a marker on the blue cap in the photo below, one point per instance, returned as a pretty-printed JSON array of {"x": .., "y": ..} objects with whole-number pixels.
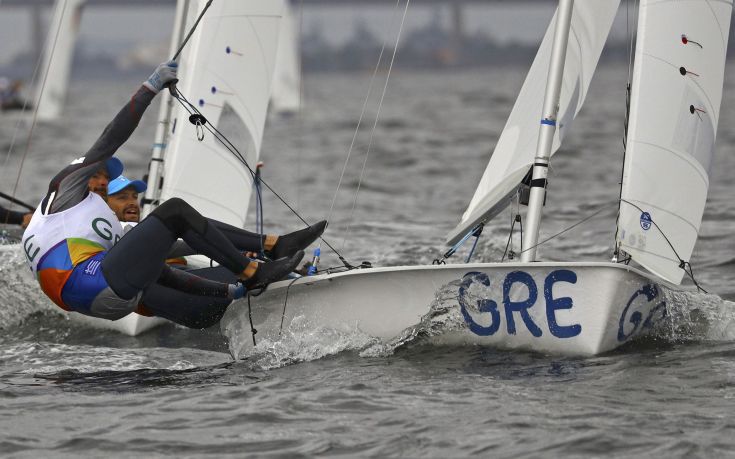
[
  {"x": 122, "y": 182},
  {"x": 114, "y": 167}
]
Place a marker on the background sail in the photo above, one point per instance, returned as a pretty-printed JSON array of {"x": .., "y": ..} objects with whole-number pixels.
[
  {"x": 675, "y": 105},
  {"x": 53, "y": 80},
  {"x": 226, "y": 70},
  {"x": 516, "y": 148},
  {"x": 286, "y": 96}
]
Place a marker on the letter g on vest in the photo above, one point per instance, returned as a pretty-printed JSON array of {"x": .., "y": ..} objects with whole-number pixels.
[{"x": 103, "y": 228}]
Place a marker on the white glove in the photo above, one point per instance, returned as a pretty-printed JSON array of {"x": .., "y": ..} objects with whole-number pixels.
[{"x": 164, "y": 75}]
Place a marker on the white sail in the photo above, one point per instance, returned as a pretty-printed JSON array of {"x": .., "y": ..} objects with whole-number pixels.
[
  {"x": 514, "y": 153},
  {"x": 53, "y": 81},
  {"x": 675, "y": 105},
  {"x": 286, "y": 95},
  {"x": 226, "y": 70}
]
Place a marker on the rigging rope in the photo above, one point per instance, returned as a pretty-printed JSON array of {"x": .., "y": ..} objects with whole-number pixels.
[
  {"x": 515, "y": 218},
  {"x": 191, "y": 31},
  {"x": 682, "y": 264},
  {"x": 362, "y": 114},
  {"x": 189, "y": 107},
  {"x": 605, "y": 207},
  {"x": 375, "y": 124},
  {"x": 35, "y": 109}
]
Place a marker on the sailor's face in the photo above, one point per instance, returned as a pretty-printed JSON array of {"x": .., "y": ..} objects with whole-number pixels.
[
  {"x": 98, "y": 183},
  {"x": 125, "y": 205}
]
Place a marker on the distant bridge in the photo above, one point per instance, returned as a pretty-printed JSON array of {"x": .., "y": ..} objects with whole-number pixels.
[{"x": 38, "y": 29}]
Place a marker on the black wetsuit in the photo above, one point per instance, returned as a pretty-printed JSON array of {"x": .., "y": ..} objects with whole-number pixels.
[
  {"x": 186, "y": 308},
  {"x": 11, "y": 217}
]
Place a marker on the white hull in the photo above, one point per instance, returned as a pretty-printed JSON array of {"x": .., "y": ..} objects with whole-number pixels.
[
  {"x": 560, "y": 308},
  {"x": 132, "y": 325}
]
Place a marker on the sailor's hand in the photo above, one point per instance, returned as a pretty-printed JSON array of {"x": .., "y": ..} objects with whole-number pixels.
[
  {"x": 26, "y": 220},
  {"x": 164, "y": 75}
]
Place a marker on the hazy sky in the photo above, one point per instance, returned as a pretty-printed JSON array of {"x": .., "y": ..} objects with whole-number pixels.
[{"x": 120, "y": 29}]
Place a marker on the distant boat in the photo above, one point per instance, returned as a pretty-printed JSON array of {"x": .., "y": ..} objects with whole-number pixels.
[
  {"x": 286, "y": 93},
  {"x": 51, "y": 81},
  {"x": 554, "y": 307}
]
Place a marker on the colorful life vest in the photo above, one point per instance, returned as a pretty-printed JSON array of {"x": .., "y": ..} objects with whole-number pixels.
[{"x": 54, "y": 244}]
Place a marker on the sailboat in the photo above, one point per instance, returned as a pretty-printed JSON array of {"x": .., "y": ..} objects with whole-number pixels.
[
  {"x": 52, "y": 86},
  {"x": 568, "y": 308},
  {"x": 226, "y": 70},
  {"x": 51, "y": 81},
  {"x": 286, "y": 93}
]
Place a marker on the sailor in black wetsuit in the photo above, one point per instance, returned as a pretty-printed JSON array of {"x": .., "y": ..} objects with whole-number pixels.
[
  {"x": 73, "y": 243},
  {"x": 196, "y": 298}
]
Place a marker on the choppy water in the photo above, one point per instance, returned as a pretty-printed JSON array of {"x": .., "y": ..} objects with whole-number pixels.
[{"x": 67, "y": 390}]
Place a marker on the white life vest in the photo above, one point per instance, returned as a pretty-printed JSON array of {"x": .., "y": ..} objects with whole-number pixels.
[{"x": 54, "y": 244}]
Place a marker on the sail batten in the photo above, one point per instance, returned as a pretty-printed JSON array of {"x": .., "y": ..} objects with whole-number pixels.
[
  {"x": 516, "y": 148},
  {"x": 674, "y": 112}
]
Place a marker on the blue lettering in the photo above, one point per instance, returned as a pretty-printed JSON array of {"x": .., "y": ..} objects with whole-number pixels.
[
  {"x": 650, "y": 292},
  {"x": 520, "y": 306},
  {"x": 483, "y": 305},
  {"x": 554, "y": 304}
]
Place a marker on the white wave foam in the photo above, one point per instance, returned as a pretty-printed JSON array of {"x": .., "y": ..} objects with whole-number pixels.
[
  {"x": 20, "y": 294},
  {"x": 301, "y": 341},
  {"x": 696, "y": 316}
]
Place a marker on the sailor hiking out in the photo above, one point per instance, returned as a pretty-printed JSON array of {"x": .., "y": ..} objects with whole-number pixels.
[{"x": 74, "y": 242}]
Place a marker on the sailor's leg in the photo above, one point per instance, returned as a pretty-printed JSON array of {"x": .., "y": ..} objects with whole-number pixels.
[
  {"x": 205, "y": 238},
  {"x": 185, "y": 222},
  {"x": 190, "y": 282},
  {"x": 244, "y": 240},
  {"x": 187, "y": 309},
  {"x": 275, "y": 246},
  {"x": 137, "y": 260}
]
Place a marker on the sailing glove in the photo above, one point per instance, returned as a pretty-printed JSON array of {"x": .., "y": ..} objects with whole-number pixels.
[{"x": 165, "y": 74}]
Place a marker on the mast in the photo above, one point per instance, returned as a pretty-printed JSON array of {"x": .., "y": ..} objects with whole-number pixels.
[
  {"x": 155, "y": 167},
  {"x": 547, "y": 130}
]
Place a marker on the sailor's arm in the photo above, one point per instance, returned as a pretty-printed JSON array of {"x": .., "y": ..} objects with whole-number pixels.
[
  {"x": 120, "y": 128},
  {"x": 126, "y": 121},
  {"x": 70, "y": 186}
]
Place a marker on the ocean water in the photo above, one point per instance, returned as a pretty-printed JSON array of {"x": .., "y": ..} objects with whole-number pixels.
[{"x": 70, "y": 391}]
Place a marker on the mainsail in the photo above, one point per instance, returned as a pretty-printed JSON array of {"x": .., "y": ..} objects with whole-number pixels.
[
  {"x": 226, "y": 70},
  {"x": 514, "y": 153},
  {"x": 51, "y": 86},
  {"x": 675, "y": 105}
]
